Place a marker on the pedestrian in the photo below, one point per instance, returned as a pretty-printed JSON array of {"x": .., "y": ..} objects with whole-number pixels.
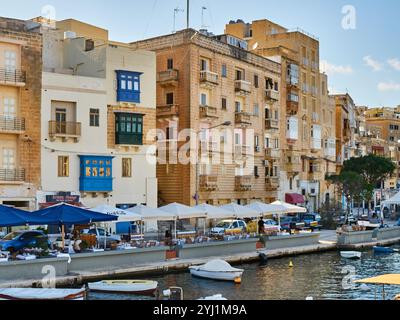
[{"x": 261, "y": 226}]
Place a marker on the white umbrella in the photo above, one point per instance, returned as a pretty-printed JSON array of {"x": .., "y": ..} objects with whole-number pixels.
[
  {"x": 151, "y": 214},
  {"x": 265, "y": 209},
  {"x": 290, "y": 208},
  {"x": 183, "y": 212},
  {"x": 123, "y": 215},
  {"x": 215, "y": 212},
  {"x": 240, "y": 211}
]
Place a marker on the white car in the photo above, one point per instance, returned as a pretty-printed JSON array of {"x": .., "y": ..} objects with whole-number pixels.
[
  {"x": 229, "y": 227},
  {"x": 271, "y": 225}
]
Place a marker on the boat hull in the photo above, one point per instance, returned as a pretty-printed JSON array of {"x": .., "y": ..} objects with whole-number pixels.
[
  {"x": 383, "y": 250},
  {"x": 133, "y": 288},
  {"x": 46, "y": 294},
  {"x": 217, "y": 275}
]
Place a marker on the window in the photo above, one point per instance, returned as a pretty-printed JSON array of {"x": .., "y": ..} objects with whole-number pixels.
[
  {"x": 203, "y": 99},
  {"x": 276, "y": 86},
  {"x": 10, "y": 61},
  {"x": 203, "y": 65},
  {"x": 170, "y": 98},
  {"x": 256, "y": 110},
  {"x": 239, "y": 74},
  {"x": 8, "y": 159},
  {"x": 61, "y": 120},
  {"x": 238, "y": 107},
  {"x": 126, "y": 167},
  {"x": 223, "y": 104},
  {"x": 94, "y": 117},
  {"x": 9, "y": 108},
  {"x": 256, "y": 81},
  {"x": 63, "y": 166},
  {"x": 129, "y": 129},
  {"x": 256, "y": 141},
  {"x": 170, "y": 64},
  {"x": 224, "y": 71},
  {"x": 256, "y": 174},
  {"x": 128, "y": 88}
]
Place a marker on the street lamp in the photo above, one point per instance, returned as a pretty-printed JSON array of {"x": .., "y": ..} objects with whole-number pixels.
[{"x": 225, "y": 124}]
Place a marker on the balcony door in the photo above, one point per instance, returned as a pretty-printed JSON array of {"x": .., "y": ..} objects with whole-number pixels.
[
  {"x": 10, "y": 61},
  {"x": 8, "y": 159},
  {"x": 61, "y": 121}
]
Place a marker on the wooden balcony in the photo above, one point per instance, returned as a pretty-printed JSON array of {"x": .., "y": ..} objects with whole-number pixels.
[
  {"x": 271, "y": 124},
  {"x": 208, "y": 79},
  {"x": 292, "y": 107},
  {"x": 12, "y": 175},
  {"x": 15, "y": 78},
  {"x": 272, "y": 95},
  {"x": 243, "y": 183},
  {"x": 242, "y": 87},
  {"x": 64, "y": 130},
  {"x": 168, "y": 78},
  {"x": 207, "y": 112},
  {"x": 271, "y": 183},
  {"x": 170, "y": 110},
  {"x": 243, "y": 118},
  {"x": 208, "y": 182},
  {"x": 12, "y": 125}
]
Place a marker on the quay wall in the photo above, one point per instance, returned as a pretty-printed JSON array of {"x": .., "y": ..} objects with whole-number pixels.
[{"x": 279, "y": 242}]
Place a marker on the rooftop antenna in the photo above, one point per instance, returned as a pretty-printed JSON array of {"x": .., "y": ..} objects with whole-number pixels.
[
  {"x": 176, "y": 11},
  {"x": 188, "y": 13},
  {"x": 203, "y": 26}
]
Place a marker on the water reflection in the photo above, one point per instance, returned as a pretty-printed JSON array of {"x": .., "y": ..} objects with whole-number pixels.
[{"x": 317, "y": 275}]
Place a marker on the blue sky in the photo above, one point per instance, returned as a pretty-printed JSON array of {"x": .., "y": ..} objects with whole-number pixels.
[{"x": 364, "y": 61}]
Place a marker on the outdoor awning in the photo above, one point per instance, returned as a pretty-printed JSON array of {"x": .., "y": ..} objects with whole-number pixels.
[
  {"x": 215, "y": 212},
  {"x": 241, "y": 212},
  {"x": 151, "y": 214},
  {"x": 290, "y": 208},
  {"x": 183, "y": 212},
  {"x": 294, "y": 198},
  {"x": 122, "y": 215},
  {"x": 265, "y": 209},
  {"x": 386, "y": 279},
  {"x": 394, "y": 200},
  {"x": 12, "y": 217}
]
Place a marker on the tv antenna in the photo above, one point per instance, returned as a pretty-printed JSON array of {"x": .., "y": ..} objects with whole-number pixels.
[{"x": 176, "y": 11}]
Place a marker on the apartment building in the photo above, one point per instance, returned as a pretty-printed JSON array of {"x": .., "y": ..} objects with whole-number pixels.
[
  {"x": 20, "y": 98},
  {"x": 302, "y": 159},
  {"x": 203, "y": 82},
  {"x": 98, "y": 106}
]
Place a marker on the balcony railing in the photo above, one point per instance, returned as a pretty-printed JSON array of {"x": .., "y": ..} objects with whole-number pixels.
[
  {"x": 64, "y": 130},
  {"x": 209, "y": 182},
  {"x": 12, "y": 175},
  {"x": 271, "y": 124},
  {"x": 272, "y": 95},
  {"x": 208, "y": 112},
  {"x": 169, "y": 110},
  {"x": 271, "y": 183},
  {"x": 243, "y": 87},
  {"x": 208, "y": 77},
  {"x": 168, "y": 77},
  {"x": 243, "y": 183},
  {"x": 243, "y": 118},
  {"x": 12, "y": 124},
  {"x": 13, "y": 77}
]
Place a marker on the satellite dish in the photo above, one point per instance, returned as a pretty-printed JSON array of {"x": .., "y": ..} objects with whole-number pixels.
[{"x": 255, "y": 46}]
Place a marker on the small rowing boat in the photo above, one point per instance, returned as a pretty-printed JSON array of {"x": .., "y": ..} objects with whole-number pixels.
[
  {"x": 217, "y": 270},
  {"x": 384, "y": 250},
  {"x": 139, "y": 287},
  {"x": 350, "y": 254},
  {"x": 42, "y": 294}
]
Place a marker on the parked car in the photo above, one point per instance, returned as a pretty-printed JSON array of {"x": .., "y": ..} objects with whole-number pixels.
[
  {"x": 19, "y": 240},
  {"x": 313, "y": 221},
  {"x": 271, "y": 225},
  {"x": 291, "y": 223},
  {"x": 103, "y": 236},
  {"x": 229, "y": 227}
]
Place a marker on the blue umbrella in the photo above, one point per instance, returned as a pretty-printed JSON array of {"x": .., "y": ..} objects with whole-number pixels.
[
  {"x": 65, "y": 214},
  {"x": 11, "y": 217}
]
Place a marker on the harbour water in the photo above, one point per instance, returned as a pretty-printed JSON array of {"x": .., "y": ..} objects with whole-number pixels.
[{"x": 324, "y": 276}]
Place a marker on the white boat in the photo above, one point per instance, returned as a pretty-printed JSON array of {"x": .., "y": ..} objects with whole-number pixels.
[
  {"x": 350, "y": 254},
  {"x": 217, "y": 270},
  {"x": 140, "y": 287},
  {"x": 215, "y": 297},
  {"x": 42, "y": 294}
]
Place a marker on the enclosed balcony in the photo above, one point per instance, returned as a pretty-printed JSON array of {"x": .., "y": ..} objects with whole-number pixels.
[
  {"x": 168, "y": 78},
  {"x": 271, "y": 154},
  {"x": 272, "y": 95},
  {"x": 292, "y": 107},
  {"x": 208, "y": 112},
  {"x": 315, "y": 174},
  {"x": 271, "y": 183},
  {"x": 208, "y": 79},
  {"x": 243, "y": 118},
  {"x": 208, "y": 182},
  {"x": 12, "y": 175},
  {"x": 169, "y": 110},
  {"x": 14, "y": 77},
  {"x": 12, "y": 125},
  {"x": 271, "y": 124},
  {"x": 242, "y": 87},
  {"x": 64, "y": 130},
  {"x": 243, "y": 183}
]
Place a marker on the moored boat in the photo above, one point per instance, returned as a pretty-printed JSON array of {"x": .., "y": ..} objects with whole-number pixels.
[
  {"x": 42, "y": 294},
  {"x": 215, "y": 297},
  {"x": 350, "y": 254},
  {"x": 384, "y": 250},
  {"x": 217, "y": 270},
  {"x": 139, "y": 287}
]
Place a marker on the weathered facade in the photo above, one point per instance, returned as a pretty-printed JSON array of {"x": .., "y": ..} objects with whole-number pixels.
[{"x": 20, "y": 100}]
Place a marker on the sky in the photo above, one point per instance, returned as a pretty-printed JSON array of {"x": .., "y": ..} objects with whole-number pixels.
[{"x": 359, "y": 39}]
